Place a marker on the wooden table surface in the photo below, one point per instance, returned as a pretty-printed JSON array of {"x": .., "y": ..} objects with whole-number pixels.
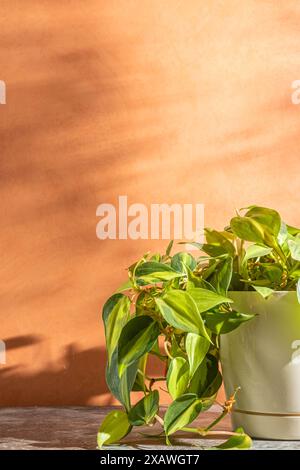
[{"x": 76, "y": 428}]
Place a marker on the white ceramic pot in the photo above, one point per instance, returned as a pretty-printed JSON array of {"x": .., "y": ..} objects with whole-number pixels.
[{"x": 262, "y": 356}]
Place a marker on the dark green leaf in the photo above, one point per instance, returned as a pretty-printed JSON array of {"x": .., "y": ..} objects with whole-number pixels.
[
  {"x": 169, "y": 248},
  {"x": 120, "y": 387},
  {"x": 145, "y": 410},
  {"x": 222, "y": 276},
  {"x": 181, "y": 412},
  {"x": 137, "y": 338},
  {"x": 207, "y": 380},
  {"x": 221, "y": 323},
  {"x": 115, "y": 315},
  {"x": 182, "y": 260}
]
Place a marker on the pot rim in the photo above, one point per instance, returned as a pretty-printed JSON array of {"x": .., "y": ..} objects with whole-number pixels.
[{"x": 276, "y": 292}]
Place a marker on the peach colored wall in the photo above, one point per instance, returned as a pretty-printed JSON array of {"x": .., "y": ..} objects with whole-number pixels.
[{"x": 162, "y": 100}]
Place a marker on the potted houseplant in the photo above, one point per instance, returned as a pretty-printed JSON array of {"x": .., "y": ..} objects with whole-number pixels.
[
  {"x": 181, "y": 308},
  {"x": 169, "y": 310}
]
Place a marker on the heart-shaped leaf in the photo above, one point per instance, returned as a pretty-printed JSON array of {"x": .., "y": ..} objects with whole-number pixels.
[
  {"x": 268, "y": 218},
  {"x": 240, "y": 441},
  {"x": 180, "y": 310},
  {"x": 181, "y": 412},
  {"x": 114, "y": 427}
]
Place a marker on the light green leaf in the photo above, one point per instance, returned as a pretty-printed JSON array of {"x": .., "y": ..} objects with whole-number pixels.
[
  {"x": 256, "y": 251},
  {"x": 181, "y": 412},
  {"x": 114, "y": 427},
  {"x": 177, "y": 377},
  {"x": 206, "y": 299},
  {"x": 152, "y": 272},
  {"x": 240, "y": 441},
  {"x": 293, "y": 230},
  {"x": 115, "y": 315},
  {"x": 145, "y": 410},
  {"x": 283, "y": 234},
  {"x": 265, "y": 292},
  {"x": 217, "y": 244},
  {"x": 221, "y": 323},
  {"x": 248, "y": 229},
  {"x": 207, "y": 380},
  {"x": 137, "y": 338},
  {"x": 180, "y": 310},
  {"x": 294, "y": 246},
  {"x": 268, "y": 218},
  {"x": 196, "y": 347},
  {"x": 182, "y": 260}
]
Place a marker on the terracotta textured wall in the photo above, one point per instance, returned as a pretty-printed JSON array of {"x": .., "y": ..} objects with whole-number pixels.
[{"x": 161, "y": 100}]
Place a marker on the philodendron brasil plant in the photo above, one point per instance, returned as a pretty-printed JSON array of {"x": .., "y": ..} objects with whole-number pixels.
[{"x": 176, "y": 308}]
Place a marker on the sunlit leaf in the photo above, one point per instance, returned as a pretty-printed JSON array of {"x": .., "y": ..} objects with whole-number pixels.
[
  {"x": 180, "y": 310},
  {"x": 196, "y": 348},
  {"x": 206, "y": 299},
  {"x": 177, "y": 377},
  {"x": 265, "y": 292},
  {"x": 114, "y": 427},
  {"x": 240, "y": 441}
]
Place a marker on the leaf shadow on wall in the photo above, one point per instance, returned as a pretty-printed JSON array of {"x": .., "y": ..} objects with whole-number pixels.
[{"x": 75, "y": 379}]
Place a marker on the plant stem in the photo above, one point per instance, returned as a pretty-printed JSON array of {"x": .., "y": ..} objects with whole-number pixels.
[
  {"x": 160, "y": 420},
  {"x": 167, "y": 350}
]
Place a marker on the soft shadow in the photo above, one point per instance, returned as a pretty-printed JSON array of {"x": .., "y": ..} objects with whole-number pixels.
[{"x": 76, "y": 378}]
